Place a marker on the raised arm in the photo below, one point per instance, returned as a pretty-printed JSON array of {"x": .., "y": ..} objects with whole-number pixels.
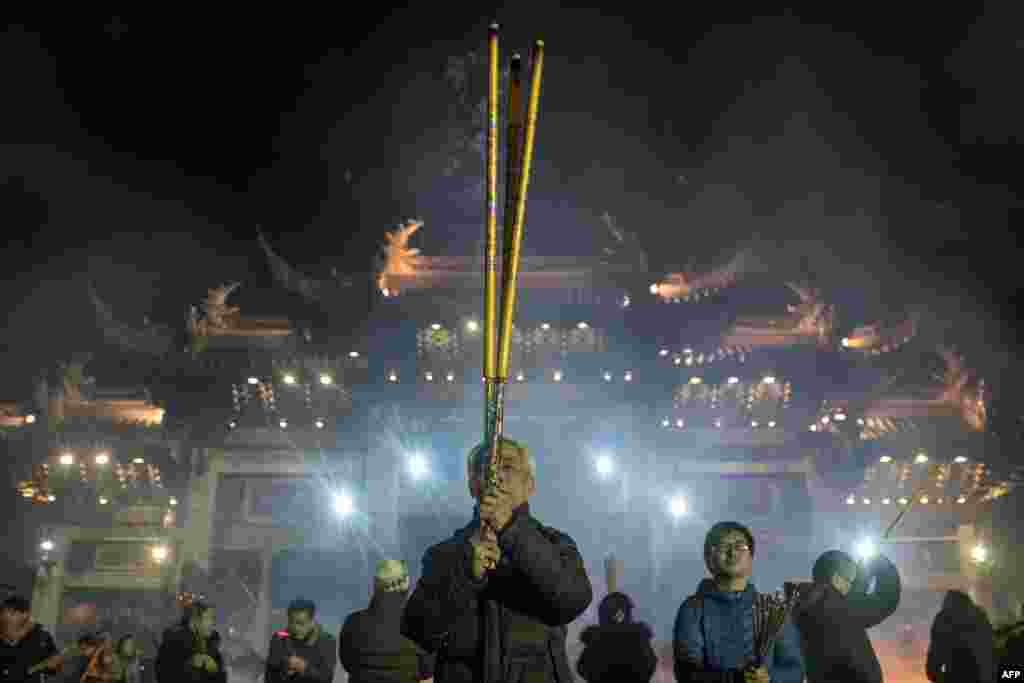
[{"x": 553, "y": 564}]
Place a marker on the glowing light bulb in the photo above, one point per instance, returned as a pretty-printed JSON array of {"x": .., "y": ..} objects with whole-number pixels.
[
  {"x": 472, "y": 326},
  {"x": 450, "y": 377},
  {"x": 679, "y": 423},
  {"x": 138, "y": 461},
  {"x": 664, "y": 423},
  {"x": 353, "y": 354},
  {"x": 885, "y": 458},
  {"x": 961, "y": 499},
  {"x": 67, "y": 459},
  {"x": 545, "y": 326},
  {"x": 521, "y": 377},
  {"x": 582, "y": 325},
  {"x": 429, "y": 376},
  {"x": 695, "y": 380},
  {"x": 850, "y": 500},
  {"x": 769, "y": 380},
  {"x": 173, "y": 501},
  {"x": 30, "y": 419},
  {"x": 47, "y": 545},
  {"x": 733, "y": 380},
  {"x": 319, "y": 424},
  {"x": 771, "y": 423},
  {"x": 284, "y": 424},
  {"x": 254, "y": 380},
  {"x": 104, "y": 500},
  {"x": 886, "y": 501},
  {"x": 960, "y": 459},
  {"x": 921, "y": 458},
  {"x": 435, "y": 326},
  {"x": 840, "y": 417},
  {"x": 846, "y": 342},
  {"x": 677, "y": 506},
  {"x": 289, "y": 379},
  {"x": 159, "y": 553},
  {"x": 558, "y": 375},
  {"x": 607, "y": 377},
  {"x": 654, "y": 289},
  {"x": 326, "y": 379},
  {"x": 663, "y": 353},
  {"x": 102, "y": 459},
  {"x": 628, "y": 376}
]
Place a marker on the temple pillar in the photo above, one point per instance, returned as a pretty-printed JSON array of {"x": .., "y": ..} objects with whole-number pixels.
[{"x": 198, "y": 531}]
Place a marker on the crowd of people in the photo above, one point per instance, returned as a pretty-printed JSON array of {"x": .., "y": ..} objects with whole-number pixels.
[{"x": 494, "y": 600}]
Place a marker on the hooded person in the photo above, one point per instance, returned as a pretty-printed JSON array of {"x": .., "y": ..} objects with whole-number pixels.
[
  {"x": 962, "y": 645},
  {"x": 835, "y": 612},
  {"x": 190, "y": 651},
  {"x": 303, "y": 652},
  {"x": 617, "y": 649},
  {"x": 371, "y": 646},
  {"x": 494, "y": 607},
  {"x": 714, "y": 638}
]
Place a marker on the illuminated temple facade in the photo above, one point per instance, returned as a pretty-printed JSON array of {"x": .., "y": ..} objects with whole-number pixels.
[{"x": 716, "y": 396}]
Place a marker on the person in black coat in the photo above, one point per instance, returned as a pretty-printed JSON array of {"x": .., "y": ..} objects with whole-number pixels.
[
  {"x": 962, "y": 646},
  {"x": 835, "y": 612},
  {"x": 507, "y": 623},
  {"x": 371, "y": 646},
  {"x": 302, "y": 653},
  {"x": 190, "y": 651},
  {"x": 617, "y": 650},
  {"x": 26, "y": 648}
]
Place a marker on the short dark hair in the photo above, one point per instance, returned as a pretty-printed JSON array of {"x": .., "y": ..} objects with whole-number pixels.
[
  {"x": 833, "y": 562},
  {"x": 88, "y": 638},
  {"x": 16, "y": 603},
  {"x": 302, "y": 605},
  {"x": 721, "y": 529}
]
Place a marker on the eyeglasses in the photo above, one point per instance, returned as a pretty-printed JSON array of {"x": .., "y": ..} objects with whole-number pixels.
[{"x": 735, "y": 547}]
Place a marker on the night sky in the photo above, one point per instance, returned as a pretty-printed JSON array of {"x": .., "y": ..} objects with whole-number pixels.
[{"x": 141, "y": 152}]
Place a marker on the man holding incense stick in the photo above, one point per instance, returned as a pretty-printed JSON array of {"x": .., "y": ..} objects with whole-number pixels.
[
  {"x": 506, "y": 623},
  {"x": 721, "y": 628}
]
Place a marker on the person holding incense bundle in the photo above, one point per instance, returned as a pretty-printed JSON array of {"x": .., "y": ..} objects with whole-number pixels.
[
  {"x": 834, "y": 614},
  {"x": 727, "y": 632},
  {"x": 493, "y": 606}
]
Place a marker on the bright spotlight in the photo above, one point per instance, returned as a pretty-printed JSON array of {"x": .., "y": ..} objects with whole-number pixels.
[
  {"x": 979, "y": 553},
  {"x": 102, "y": 459},
  {"x": 607, "y": 377},
  {"x": 104, "y": 500},
  {"x": 885, "y": 458},
  {"x": 558, "y": 375},
  {"x": 47, "y": 545},
  {"x": 605, "y": 465},
  {"x": 920, "y": 458},
  {"x": 284, "y": 424},
  {"x": 343, "y": 504},
  {"x": 679, "y": 423},
  {"x": 319, "y": 424},
  {"x": 393, "y": 377},
  {"x": 429, "y": 376},
  {"x": 67, "y": 459},
  {"x": 289, "y": 379},
  {"x": 326, "y": 379},
  {"x": 435, "y": 326},
  {"x": 771, "y": 423},
  {"x": 628, "y": 376},
  {"x": 677, "y": 506},
  {"x": 450, "y": 377},
  {"x": 418, "y": 466},
  {"x": 866, "y": 549},
  {"x": 173, "y": 501},
  {"x": 159, "y": 553},
  {"x": 851, "y": 500},
  {"x": 663, "y": 352},
  {"x": 733, "y": 380},
  {"x": 353, "y": 354},
  {"x": 545, "y": 326},
  {"x": 886, "y": 501},
  {"x": 472, "y": 326},
  {"x": 254, "y": 380},
  {"x": 960, "y": 459},
  {"x": 582, "y": 325},
  {"x": 695, "y": 380},
  {"x": 769, "y": 380}
]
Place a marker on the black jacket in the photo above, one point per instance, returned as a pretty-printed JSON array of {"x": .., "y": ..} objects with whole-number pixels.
[
  {"x": 833, "y": 628},
  {"x": 963, "y": 643},
  {"x": 17, "y": 658},
  {"x": 174, "y": 658},
  {"x": 373, "y": 649},
  {"x": 511, "y": 625},
  {"x": 617, "y": 653},
  {"x": 318, "y": 651}
]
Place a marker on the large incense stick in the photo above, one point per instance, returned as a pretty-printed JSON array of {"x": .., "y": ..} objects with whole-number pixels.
[{"x": 498, "y": 341}]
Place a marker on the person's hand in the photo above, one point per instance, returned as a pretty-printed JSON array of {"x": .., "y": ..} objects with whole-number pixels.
[
  {"x": 496, "y": 509},
  {"x": 756, "y": 675},
  {"x": 485, "y": 553},
  {"x": 201, "y": 661},
  {"x": 296, "y": 665}
]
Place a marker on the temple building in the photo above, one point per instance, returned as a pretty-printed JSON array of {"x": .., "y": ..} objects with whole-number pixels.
[{"x": 272, "y": 458}]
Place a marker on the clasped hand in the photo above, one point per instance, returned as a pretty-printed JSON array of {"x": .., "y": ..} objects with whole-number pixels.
[
  {"x": 756, "y": 675},
  {"x": 496, "y": 509},
  {"x": 201, "y": 661}
]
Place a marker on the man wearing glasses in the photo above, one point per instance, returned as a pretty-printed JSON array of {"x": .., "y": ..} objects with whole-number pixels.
[{"x": 714, "y": 631}]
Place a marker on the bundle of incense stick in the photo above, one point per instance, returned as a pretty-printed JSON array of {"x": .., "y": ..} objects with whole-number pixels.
[
  {"x": 519, "y": 156},
  {"x": 771, "y": 610}
]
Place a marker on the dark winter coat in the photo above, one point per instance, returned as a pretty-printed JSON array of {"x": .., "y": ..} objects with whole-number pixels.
[
  {"x": 617, "y": 653},
  {"x": 317, "y": 649},
  {"x": 833, "y": 628},
  {"x": 17, "y": 658},
  {"x": 510, "y": 627},
  {"x": 174, "y": 658},
  {"x": 714, "y": 639},
  {"x": 373, "y": 649},
  {"x": 962, "y": 647}
]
